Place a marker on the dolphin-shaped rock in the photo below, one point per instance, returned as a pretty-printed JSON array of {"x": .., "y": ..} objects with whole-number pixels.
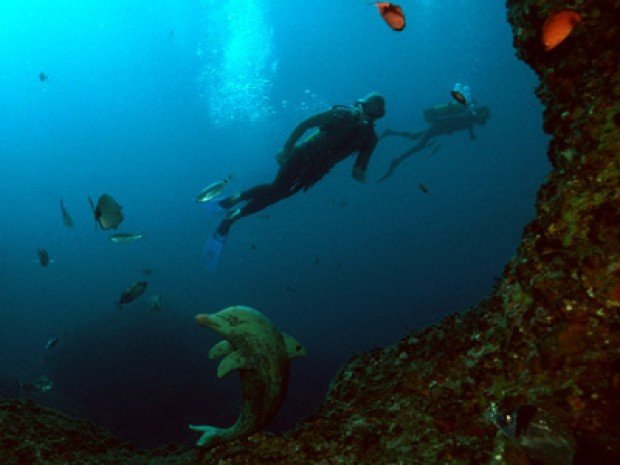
[{"x": 262, "y": 354}]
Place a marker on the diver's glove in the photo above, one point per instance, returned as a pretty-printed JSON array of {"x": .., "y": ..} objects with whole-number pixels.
[{"x": 283, "y": 156}]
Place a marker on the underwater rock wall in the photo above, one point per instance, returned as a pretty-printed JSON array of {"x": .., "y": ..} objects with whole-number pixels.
[{"x": 548, "y": 336}]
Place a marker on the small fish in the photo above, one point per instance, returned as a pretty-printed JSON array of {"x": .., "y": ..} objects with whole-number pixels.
[
  {"x": 44, "y": 257},
  {"x": 108, "y": 212},
  {"x": 147, "y": 271},
  {"x": 558, "y": 27},
  {"x": 290, "y": 289},
  {"x": 212, "y": 190},
  {"x": 42, "y": 76},
  {"x": 154, "y": 304},
  {"x": 132, "y": 293},
  {"x": 539, "y": 434},
  {"x": 39, "y": 384},
  {"x": 53, "y": 342},
  {"x": 423, "y": 188},
  {"x": 458, "y": 96},
  {"x": 126, "y": 238},
  {"x": 66, "y": 218},
  {"x": 392, "y": 14}
]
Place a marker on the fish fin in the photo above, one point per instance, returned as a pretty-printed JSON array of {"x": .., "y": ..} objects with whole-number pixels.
[
  {"x": 233, "y": 361},
  {"x": 220, "y": 349},
  {"x": 92, "y": 207}
]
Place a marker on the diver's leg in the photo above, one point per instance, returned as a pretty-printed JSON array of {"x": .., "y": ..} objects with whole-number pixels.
[
  {"x": 254, "y": 192},
  {"x": 217, "y": 205},
  {"x": 286, "y": 183},
  {"x": 258, "y": 198},
  {"x": 398, "y": 160},
  {"x": 388, "y": 132},
  {"x": 394, "y": 163},
  {"x": 215, "y": 243},
  {"x": 230, "y": 201},
  {"x": 426, "y": 138},
  {"x": 405, "y": 134}
]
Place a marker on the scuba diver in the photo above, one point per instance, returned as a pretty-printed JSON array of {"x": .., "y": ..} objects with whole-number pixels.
[
  {"x": 342, "y": 131},
  {"x": 443, "y": 120}
]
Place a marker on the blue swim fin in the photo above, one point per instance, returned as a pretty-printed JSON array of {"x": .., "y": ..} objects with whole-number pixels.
[{"x": 212, "y": 251}]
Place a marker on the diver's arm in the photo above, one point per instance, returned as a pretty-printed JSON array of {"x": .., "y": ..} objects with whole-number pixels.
[
  {"x": 406, "y": 134},
  {"x": 313, "y": 121},
  {"x": 361, "y": 162},
  {"x": 472, "y": 134}
]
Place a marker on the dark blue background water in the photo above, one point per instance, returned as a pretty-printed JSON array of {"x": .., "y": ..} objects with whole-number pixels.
[{"x": 151, "y": 101}]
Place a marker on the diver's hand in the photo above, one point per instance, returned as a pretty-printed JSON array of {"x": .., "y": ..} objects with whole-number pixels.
[
  {"x": 282, "y": 156},
  {"x": 358, "y": 174}
]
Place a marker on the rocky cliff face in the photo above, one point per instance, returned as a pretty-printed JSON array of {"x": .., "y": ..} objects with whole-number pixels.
[{"x": 548, "y": 336}]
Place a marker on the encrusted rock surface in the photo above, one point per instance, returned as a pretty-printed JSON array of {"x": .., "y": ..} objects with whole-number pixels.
[{"x": 549, "y": 335}]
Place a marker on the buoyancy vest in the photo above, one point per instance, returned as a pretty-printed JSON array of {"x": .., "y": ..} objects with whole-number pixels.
[
  {"x": 446, "y": 111},
  {"x": 344, "y": 133}
]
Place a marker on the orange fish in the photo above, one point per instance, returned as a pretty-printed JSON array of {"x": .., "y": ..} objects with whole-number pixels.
[
  {"x": 392, "y": 14},
  {"x": 557, "y": 28}
]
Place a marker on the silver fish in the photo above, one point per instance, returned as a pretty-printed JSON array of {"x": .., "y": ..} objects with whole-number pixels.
[
  {"x": 125, "y": 238},
  {"x": 212, "y": 190},
  {"x": 53, "y": 342}
]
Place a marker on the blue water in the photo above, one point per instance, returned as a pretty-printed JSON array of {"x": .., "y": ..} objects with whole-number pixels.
[{"x": 151, "y": 101}]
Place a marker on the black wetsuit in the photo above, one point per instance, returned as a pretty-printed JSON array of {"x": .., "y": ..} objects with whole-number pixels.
[{"x": 342, "y": 131}]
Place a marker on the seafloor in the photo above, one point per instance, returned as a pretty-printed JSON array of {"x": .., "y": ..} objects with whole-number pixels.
[{"x": 548, "y": 335}]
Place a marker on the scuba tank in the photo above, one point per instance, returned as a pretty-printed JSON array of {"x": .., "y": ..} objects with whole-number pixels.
[
  {"x": 446, "y": 111},
  {"x": 345, "y": 120}
]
